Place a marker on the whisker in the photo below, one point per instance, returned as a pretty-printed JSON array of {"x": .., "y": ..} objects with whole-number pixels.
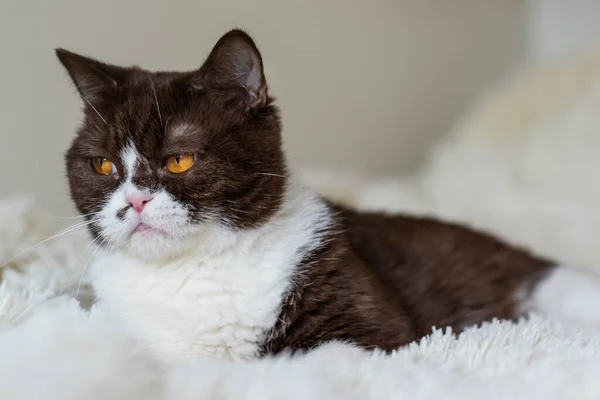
[
  {"x": 47, "y": 237},
  {"x": 230, "y": 165},
  {"x": 74, "y": 217},
  {"x": 270, "y": 174},
  {"x": 155, "y": 99},
  {"x": 57, "y": 235},
  {"x": 94, "y": 108},
  {"x": 167, "y": 121},
  {"x": 95, "y": 241},
  {"x": 239, "y": 211},
  {"x": 82, "y": 253}
]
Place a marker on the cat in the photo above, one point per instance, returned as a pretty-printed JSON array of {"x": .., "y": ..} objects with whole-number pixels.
[{"x": 208, "y": 245}]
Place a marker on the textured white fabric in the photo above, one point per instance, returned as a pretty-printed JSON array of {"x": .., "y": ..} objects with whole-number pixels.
[{"x": 63, "y": 353}]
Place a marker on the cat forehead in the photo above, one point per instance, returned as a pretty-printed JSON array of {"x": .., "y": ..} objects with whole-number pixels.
[
  {"x": 145, "y": 79},
  {"x": 143, "y": 90},
  {"x": 150, "y": 140},
  {"x": 171, "y": 135}
]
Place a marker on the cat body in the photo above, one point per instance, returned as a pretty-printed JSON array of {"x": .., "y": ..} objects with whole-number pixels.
[{"x": 208, "y": 245}]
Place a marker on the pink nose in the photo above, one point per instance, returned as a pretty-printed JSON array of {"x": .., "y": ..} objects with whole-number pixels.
[{"x": 138, "y": 201}]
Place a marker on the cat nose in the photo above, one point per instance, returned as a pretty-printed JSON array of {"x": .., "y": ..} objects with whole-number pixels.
[{"x": 138, "y": 201}]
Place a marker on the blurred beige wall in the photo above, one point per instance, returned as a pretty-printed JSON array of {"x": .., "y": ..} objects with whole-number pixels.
[
  {"x": 559, "y": 28},
  {"x": 365, "y": 85}
]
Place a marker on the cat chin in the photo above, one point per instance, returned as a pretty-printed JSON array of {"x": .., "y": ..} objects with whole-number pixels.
[
  {"x": 204, "y": 239},
  {"x": 154, "y": 246},
  {"x": 146, "y": 243}
]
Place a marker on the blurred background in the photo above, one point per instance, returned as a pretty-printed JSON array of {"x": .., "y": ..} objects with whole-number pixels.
[{"x": 365, "y": 86}]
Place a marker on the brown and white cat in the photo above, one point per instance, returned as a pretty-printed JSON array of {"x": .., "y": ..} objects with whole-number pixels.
[{"x": 209, "y": 246}]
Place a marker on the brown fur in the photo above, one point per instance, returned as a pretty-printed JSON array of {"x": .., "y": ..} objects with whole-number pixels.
[
  {"x": 377, "y": 281},
  {"x": 383, "y": 281}
]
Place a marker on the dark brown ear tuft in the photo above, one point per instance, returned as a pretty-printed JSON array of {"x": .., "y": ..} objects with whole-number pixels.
[
  {"x": 93, "y": 79},
  {"x": 236, "y": 61}
]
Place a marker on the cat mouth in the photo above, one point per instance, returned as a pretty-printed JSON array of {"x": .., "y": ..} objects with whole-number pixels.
[{"x": 146, "y": 230}]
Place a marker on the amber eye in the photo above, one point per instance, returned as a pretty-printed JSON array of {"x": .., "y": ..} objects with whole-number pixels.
[
  {"x": 180, "y": 162},
  {"x": 103, "y": 166}
]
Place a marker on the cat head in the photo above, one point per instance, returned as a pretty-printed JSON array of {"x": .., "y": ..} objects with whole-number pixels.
[{"x": 161, "y": 156}]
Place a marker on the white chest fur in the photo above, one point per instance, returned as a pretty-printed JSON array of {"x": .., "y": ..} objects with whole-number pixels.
[{"x": 219, "y": 299}]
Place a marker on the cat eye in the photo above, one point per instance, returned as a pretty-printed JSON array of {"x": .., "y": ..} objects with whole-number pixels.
[
  {"x": 180, "y": 163},
  {"x": 103, "y": 166}
]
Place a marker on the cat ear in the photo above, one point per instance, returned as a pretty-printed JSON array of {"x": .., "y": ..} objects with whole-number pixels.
[
  {"x": 236, "y": 61},
  {"x": 94, "y": 80}
]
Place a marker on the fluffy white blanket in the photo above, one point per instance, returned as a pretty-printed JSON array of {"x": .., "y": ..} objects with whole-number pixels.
[{"x": 524, "y": 165}]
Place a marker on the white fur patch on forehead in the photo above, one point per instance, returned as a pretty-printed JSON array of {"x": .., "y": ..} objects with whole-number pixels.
[{"x": 130, "y": 159}]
